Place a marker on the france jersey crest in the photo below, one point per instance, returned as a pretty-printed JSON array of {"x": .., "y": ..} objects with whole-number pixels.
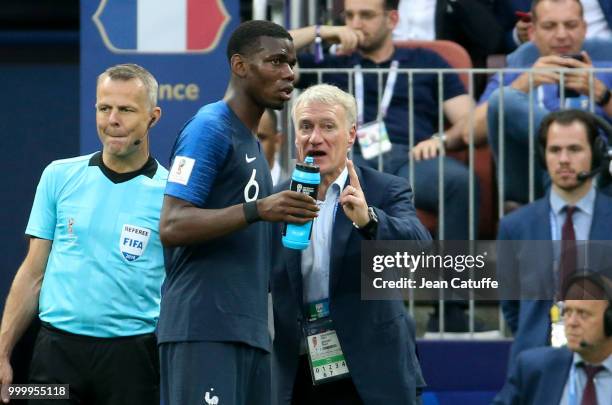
[
  {"x": 161, "y": 26},
  {"x": 133, "y": 241}
]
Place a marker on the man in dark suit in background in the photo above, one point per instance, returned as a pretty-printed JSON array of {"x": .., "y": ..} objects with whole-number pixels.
[
  {"x": 376, "y": 337},
  {"x": 580, "y": 373},
  {"x": 573, "y": 210}
]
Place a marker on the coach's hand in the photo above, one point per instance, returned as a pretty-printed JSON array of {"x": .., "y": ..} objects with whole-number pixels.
[
  {"x": 287, "y": 206},
  {"x": 353, "y": 200},
  {"x": 6, "y": 378}
]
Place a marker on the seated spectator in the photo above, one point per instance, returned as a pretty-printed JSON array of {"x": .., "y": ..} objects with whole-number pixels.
[
  {"x": 580, "y": 373},
  {"x": 558, "y": 30}
]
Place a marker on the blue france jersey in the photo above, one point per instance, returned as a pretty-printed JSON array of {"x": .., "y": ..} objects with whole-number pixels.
[
  {"x": 217, "y": 291},
  {"x": 105, "y": 269}
]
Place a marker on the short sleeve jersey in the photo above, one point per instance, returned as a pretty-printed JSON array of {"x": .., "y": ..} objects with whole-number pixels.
[
  {"x": 217, "y": 291},
  {"x": 425, "y": 89},
  {"x": 105, "y": 269}
]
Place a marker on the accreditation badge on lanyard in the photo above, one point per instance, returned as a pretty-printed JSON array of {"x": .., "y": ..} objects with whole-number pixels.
[
  {"x": 557, "y": 329},
  {"x": 372, "y": 136},
  {"x": 327, "y": 362}
]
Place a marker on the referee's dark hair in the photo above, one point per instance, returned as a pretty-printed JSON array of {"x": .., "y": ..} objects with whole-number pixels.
[{"x": 246, "y": 37}]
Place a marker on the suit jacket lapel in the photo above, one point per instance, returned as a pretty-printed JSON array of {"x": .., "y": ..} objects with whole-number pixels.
[
  {"x": 542, "y": 257},
  {"x": 341, "y": 231},
  {"x": 542, "y": 229},
  {"x": 558, "y": 378},
  {"x": 340, "y": 235},
  {"x": 294, "y": 271},
  {"x": 602, "y": 212}
]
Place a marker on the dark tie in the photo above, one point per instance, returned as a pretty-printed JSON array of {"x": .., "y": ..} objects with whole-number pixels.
[
  {"x": 568, "y": 248},
  {"x": 589, "y": 396}
]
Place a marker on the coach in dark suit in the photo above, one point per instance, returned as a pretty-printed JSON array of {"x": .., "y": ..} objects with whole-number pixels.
[
  {"x": 376, "y": 337},
  {"x": 568, "y": 142}
]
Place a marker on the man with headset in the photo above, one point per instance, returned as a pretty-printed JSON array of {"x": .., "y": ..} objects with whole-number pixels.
[
  {"x": 572, "y": 211},
  {"x": 580, "y": 373}
]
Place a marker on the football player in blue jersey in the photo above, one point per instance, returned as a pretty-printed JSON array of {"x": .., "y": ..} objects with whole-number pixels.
[
  {"x": 213, "y": 330},
  {"x": 94, "y": 268}
]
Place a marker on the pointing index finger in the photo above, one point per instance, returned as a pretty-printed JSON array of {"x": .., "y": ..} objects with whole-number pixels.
[{"x": 353, "y": 174}]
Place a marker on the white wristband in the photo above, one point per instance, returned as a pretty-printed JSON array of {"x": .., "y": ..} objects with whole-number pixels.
[{"x": 439, "y": 136}]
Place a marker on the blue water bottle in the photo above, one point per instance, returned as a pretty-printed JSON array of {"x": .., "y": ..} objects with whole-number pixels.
[{"x": 305, "y": 179}]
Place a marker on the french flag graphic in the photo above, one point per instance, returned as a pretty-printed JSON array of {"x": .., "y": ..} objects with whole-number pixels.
[{"x": 161, "y": 26}]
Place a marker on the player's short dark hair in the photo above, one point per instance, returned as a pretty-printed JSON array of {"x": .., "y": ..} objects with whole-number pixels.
[
  {"x": 246, "y": 37},
  {"x": 567, "y": 117}
]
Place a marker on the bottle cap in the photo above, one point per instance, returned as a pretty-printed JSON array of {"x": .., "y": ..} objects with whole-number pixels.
[{"x": 308, "y": 165}]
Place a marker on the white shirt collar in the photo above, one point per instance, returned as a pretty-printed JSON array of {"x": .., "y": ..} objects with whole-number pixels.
[{"x": 340, "y": 181}]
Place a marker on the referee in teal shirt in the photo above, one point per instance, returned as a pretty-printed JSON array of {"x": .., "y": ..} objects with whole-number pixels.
[{"x": 94, "y": 268}]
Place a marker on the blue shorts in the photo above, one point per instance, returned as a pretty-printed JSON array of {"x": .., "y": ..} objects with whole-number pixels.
[{"x": 197, "y": 372}]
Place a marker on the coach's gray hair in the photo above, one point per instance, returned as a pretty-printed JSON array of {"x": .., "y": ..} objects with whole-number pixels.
[
  {"x": 329, "y": 95},
  {"x": 129, "y": 71}
]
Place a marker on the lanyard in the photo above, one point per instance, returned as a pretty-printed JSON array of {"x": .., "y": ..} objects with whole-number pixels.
[
  {"x": 387, "y": 94},
  {"x": 540, "y": 96}
]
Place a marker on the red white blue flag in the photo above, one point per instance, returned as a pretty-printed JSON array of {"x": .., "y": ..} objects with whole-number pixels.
[{"x": 161, "y": 26}]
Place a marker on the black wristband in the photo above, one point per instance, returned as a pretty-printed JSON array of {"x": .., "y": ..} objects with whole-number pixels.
[
  {"x": 368, "y": 231},
  {"x": 605, "y": 99},
  {"x": 250, "y": 212}
]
